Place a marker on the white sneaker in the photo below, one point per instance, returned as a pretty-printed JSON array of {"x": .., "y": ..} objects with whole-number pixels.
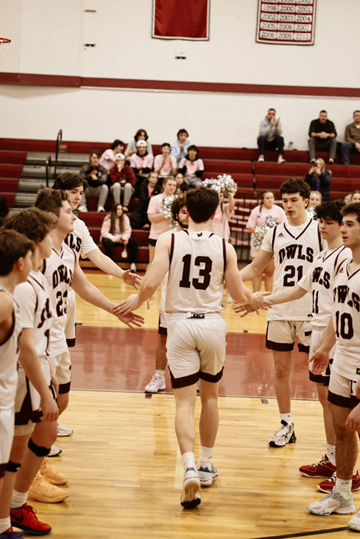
[
  {"x": 333, "y": 503},
  {"x": 285, "y": 434},
  {"x": 54, "y": 451},
  {"x": 100, "y": 209},
  {"x": 190, "y": 496},
  {"x": 63, "y": 432},
  {"x": 156, "y": 384},
  {"x": 261, "y": 159},
  {"x": 354, "y": 523},
  {"x": 133, "y": 267},
  {"x": 281, "y": 159},
  {"x": 207, "y": 475},
  {"x": 82, "y": 208}
]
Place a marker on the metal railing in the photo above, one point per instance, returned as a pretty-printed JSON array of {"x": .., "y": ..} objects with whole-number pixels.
[
  {"x": 47, "y": 170},
  {"x": 58, "y": 142}
]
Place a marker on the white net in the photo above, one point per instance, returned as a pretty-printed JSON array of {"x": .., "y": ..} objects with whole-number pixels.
[{"x": 4, "y": 43}]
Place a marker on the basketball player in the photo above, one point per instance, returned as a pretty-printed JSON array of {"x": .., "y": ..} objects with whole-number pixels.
[
  {"x": 83, "y": 245},
  {"x": 15, "y": 266},
  {"x": 36, "y": 410},
  {"x": 197, "y": 261},
  {"x": 294, "y": 246},
  {"x": 157, "y": 383},
  {"x": 344, "y": 330}
]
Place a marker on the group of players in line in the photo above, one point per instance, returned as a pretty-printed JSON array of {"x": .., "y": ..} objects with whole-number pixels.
[{"x": 39, "y": 253}]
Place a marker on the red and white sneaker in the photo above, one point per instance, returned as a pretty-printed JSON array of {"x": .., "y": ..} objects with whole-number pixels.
[
  {"x": 25, "y": 518},
  {"x": 328, "y": 484},
  {"x": 323, "y": 468}
]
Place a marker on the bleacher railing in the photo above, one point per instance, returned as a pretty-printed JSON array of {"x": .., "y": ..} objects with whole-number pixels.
[
  {"x": 58, "y": 142},
  {"x": 47, "y": 170}
]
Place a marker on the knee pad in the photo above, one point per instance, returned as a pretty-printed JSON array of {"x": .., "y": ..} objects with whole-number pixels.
[
  {"x": 12, "y": 467},
  {"x": 38, "y": 450}
]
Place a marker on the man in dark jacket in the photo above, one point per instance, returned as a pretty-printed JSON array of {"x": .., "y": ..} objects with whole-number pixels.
[
  {"x": 96, "y": 176},
  {"x": 322, "y": 135}
]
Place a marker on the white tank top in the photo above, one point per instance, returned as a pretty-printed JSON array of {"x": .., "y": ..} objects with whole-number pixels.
[
  {"x": 59, "y": 272},
  {"x": 346, "y": 321},
  {"x": 9, "y": 354},
  {"x": 196, "y": 273},
  {"x": 80, "y": 240},
  {"x": 293, "y": 255}
]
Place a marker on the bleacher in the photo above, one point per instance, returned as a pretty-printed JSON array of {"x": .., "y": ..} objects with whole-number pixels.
[{"x": 22, "y": 173}]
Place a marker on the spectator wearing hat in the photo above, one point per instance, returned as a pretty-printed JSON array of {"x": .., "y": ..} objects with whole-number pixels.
[
  {"x": 141, "y": 162},
  {"x": 108, "y": 157},
  {"x": 123, "y": 181},
  {"x": 192, "y": 167},
  {"x": 164, "y": 163},
  {"x": 96, "y": 177},
  {"x": 180, "y": 147},
  {"x": 141, "y": 134}
]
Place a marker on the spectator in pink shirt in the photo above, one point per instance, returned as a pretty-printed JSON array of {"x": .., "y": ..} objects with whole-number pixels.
[
  {"x": 116, "y": 230},
  {"x": 159, "y": 223},
  {"x": 108, "y": 157},
  {"x": 164, "y": 163},
  {"x": 123, "y": 181},
  {"x": 192, "y": 167},
  {"x": 141, "y": 134},
  {"x": 141, "y": 162}
]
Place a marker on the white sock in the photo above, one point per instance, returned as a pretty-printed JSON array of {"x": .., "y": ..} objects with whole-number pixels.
[
  {"x": 160, "y": 372},
  {"x": 343, "y": 486},
  {"x": 331, "y": 454},
  {"x": 188, "y": 460},
  {"x": 206, "y": 455},
  {"x": 18, "y": 499},
  {"x": 5, "y": 524},
  {"x": 286, "y": 417}
]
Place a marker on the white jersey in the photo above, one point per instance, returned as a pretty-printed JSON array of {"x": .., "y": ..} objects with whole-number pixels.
[
  {"x": 165, "y": 279},
  {"x": 319, "y": 283},
  {"x": 294, "y": 249},
  {"x": 59, "y": 272},
  {"x": 80, "y": 240},
  {"x": 196, "y": 273},
  {"x": 346, "y": 321},
  {"x": 9, "y": 354}
]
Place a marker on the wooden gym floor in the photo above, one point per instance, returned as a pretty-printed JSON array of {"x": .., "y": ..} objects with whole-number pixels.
[{"x": 125, "y": 471}]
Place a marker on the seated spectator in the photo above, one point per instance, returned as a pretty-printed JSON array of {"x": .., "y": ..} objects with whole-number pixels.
[
  {"x": 148, "y": 189},
  {"x": 108, "y": 157},
  {"x": 180, "y": 147},
  {"x": 4, "y": 210},
  {"x": 270, "y": 136},
  {"x": 164, "y": 163},
  {"x": 159, "y": 222},
  {"x": 116, "y": 231},
  {"x": 141, "y": 134},
  {"x": 123, "y": 181},
  {"x": 192, "y": 167},
  {"x": 352, "y": 139},
  {"x": 141, "y": 162},
  {"x": 353, "y": 197},
  {"x": 220, "y": 222},
  {"x": 181, "y": 186},
  {"x": 322, "y": 135},
  {"x": 315, "y": 199},
  {"x": 319, "y": 179},
  {"x": 96, "y": 177}
]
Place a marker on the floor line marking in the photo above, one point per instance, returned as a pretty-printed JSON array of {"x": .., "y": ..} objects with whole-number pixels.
[{"x": 304, "y": 534}]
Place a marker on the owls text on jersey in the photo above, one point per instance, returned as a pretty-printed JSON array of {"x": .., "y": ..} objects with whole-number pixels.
[
  {"x": 346, "y": 321},
  {"x": 80, "y": 240},
  {"x": 9, "y": 354},
  {"x": 196, "y": 273},
  {"x": 59, "y": 271},
  {"x": 319, "y": 283},
  {"x": 293, "y": 256}
]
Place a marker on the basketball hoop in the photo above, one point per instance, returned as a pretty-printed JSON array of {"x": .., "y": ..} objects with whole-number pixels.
[{"x": 4, "y": 42}]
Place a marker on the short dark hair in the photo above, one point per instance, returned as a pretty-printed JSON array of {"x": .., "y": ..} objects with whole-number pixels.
[
  {"x": 293, "y": 185},
  {"x": 69, "y": 181},
  {"x": 166, "y": 144},
  {"x": 330, "y": 211},
  {"x": 182, "y": 131},
  {"x": 50, "y": 200},
  {"x": 325, "y": 111},
  {"x": 201, "y": 203},
  {"x": 355, "y": 111},
  {"x": 13, "y": 246},
  {"x": 139, "y": 132},
  {"x": 352, "y": 209},
  {"x": 117, "y": 142},
  {"x": 34, "y": 223},
  {"x": 96, "y": 152},
  {"x": 178, "y": 203},
  {"x": 195, "y": 148},
  {"x": 271, "y": 108}
]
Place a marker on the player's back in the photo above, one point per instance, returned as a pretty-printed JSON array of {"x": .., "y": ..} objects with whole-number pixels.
[{"x": 196, "y": 273}]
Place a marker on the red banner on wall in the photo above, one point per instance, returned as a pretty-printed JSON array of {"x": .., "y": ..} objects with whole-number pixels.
[
  {"x": 286, "y": 22},
  {"x": 181, "y": 19}
]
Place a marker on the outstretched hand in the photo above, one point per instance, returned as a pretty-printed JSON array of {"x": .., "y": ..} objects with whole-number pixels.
[
  {"x": 127, "y": 306},
  {"x": 132, "y": 320},
  {"x": 259, "y": 302},
  {"x": 321, "y": 361},
  {"x": 132, "y": 279},
  {"x": 353, "y": 419}
]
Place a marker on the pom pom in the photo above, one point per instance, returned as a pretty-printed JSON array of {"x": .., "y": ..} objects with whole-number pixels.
[
  {"x": 260, "y": 231},
  {"x": 310, "y": 212}
]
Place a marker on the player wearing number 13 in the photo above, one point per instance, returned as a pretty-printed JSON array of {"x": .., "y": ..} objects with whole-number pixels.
[{"x": 198, "y": 261}]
